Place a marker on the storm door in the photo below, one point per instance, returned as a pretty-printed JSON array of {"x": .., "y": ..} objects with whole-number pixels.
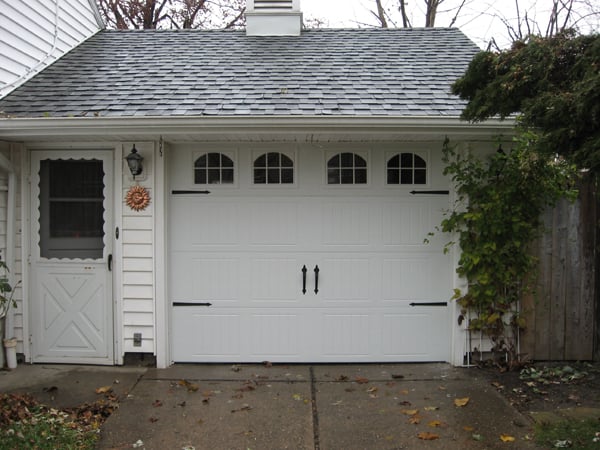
[{"x": 71, "y": 257}]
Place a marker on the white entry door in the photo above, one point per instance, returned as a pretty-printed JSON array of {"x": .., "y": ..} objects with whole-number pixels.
[
  {"x": 310, "y": 271},
  {"x": 71, "y": 256}
]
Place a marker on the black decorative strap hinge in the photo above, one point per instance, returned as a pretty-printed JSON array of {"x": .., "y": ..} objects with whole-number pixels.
[
  {"x": 429, "y": 304},
  {"x": 191, "y": 304},
  {"x": 430, "y": 192}
]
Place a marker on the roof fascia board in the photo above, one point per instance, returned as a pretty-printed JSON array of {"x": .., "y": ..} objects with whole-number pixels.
[{"x": 27, "y": 128}]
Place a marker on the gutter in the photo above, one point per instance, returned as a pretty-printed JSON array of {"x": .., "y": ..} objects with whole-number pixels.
[{"x": 207, "y": 126}]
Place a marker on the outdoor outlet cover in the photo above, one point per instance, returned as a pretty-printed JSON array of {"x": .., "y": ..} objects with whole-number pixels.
[{"x": 137, "y": 339}]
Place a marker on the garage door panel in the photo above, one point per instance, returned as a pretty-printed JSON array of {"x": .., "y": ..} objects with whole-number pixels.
[
  {"x": 346, "y": 335},
  {"x": 197, "y": 279},
  {"x": 345, "y": 279},
  {"x": 275, "y": 280},
  {"x": 410, "y": 222},
  {"x": 202, "y": 335},
  {"x": 416, "y": 336},
  {"x": 202, "y": 222},
  {"x": 419, "y": 277},
  {"x": 273, "y": 223},
  {"x": 276, "y": 335},
  {"x": 345, "y": 222}
]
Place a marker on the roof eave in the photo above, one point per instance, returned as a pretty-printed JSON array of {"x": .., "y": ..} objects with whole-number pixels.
[{"x": 27, "y": 129}]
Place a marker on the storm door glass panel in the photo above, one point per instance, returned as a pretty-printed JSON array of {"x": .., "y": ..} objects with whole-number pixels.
[{"x": 71, "y": 209}]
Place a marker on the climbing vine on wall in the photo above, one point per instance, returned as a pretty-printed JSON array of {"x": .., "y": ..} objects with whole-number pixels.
[{"x": 496, "y": 217}]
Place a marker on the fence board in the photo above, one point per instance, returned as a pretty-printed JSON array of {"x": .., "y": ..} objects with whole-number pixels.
[{"x": 561, "y": 314}]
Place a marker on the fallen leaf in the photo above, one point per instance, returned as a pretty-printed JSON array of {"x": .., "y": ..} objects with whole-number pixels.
[
  {"x": 404, "y": 392},
  {"x": 361, "y": 380},
  {"x": 397, "y": 376},
  {"x": 342, "y": 378},
  {"x": 415, "y": 420},
  {"x": 431, "y": 408},
  {"x": 477, "y": 437},
  {"x": 460, "y": 402},
  {"x": 191, "y": 387},
  {"x": 297, "y": 397},
  {"x": 207, "y": 394},
  {"x": 246, "y": 388},
  {"x": 468, "y": 428},
  {"x": 426, "y": 436},
  {"x": 267, "y": 363},
  {"x": 182, "y": 404},
  {"x": 54, "y": 389},
  {"x": 507, "y": 438},
  {"x": 153, "y": 419},
  {"x": 236, "y": 368},
  {"x": 410, "y": 412},
  {"x": 436, "y": 424},
  {"x": 371, "y": 390},
  {"x": 245, "y": 407},
  {"x": 137, "y": 444},
  {"x": 405, "y": 403},
  {"x": 103, "y": 389},
  {"x": 157, "y": 403}
]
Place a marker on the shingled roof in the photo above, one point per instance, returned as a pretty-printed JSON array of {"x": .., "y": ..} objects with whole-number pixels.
[{"x": 348, "y": 72}]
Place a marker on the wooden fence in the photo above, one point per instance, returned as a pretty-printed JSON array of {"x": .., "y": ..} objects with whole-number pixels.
[{"x": 563, "y": 315}]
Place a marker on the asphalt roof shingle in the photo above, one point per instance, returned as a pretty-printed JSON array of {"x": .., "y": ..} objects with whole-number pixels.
[{"x": 349, "y": 72}]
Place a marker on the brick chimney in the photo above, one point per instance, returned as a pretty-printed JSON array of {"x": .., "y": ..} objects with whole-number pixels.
[{"x": 273, "y": 18}]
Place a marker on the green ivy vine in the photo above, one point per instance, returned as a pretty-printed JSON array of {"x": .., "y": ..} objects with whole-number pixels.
[{"x": 496, "y": 217}]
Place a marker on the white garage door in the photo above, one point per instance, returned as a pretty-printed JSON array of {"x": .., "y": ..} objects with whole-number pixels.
[{"x": 307, "y": 255}]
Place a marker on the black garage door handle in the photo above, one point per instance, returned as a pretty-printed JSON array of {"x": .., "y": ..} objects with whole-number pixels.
[{"x": 316, "y": 279}]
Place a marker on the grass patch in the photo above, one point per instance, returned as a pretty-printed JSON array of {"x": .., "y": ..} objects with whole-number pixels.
[
  {"x": 27, "y": 424},
  {"x": 575, "y": 434}
]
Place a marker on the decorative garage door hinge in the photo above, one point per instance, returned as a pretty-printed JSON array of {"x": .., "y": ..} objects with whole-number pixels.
[{"x": 191, "y": 304}]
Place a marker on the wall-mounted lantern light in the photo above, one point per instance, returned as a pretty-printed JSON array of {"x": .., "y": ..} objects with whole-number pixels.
[{"x": 134, "y": 161}]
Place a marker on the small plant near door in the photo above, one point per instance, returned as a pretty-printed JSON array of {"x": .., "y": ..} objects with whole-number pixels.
[
  {"x": 496, "y": 217},
  {"x": 6, "y": 291}
]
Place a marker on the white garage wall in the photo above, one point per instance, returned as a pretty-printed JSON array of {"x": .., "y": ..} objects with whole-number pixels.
[{"x": 138, "y": 262}]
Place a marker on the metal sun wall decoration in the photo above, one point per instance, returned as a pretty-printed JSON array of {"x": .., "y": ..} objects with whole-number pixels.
[{"x": 137, "y": 198}]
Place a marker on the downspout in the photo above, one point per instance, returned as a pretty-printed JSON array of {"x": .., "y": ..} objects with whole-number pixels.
[{"x": 9, "y": 258}]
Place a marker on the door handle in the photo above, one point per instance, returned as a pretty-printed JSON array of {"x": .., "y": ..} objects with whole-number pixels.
[
  {"x": 304, "y": 270},
  {"x": 110, "y": 262},
  {"x": 316, "y": 279}
]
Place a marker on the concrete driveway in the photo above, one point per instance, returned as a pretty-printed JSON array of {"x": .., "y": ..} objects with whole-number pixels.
[{"x": 259, "y": 407}]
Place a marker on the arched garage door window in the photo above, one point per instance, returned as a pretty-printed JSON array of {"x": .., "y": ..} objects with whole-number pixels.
[
  {"x": 273, "y": 168},
  {"x": 406, "y": 168},
  {"x": 347, "y": 168},
  {"x": 213, "y": 168}
]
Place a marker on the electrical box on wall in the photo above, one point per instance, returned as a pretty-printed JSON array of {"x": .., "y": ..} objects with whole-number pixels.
[{"x": 137, "y": 339}]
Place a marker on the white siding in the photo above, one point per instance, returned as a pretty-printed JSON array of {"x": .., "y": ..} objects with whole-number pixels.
[
  {"x": 34, "y": 33},
  {"x": 138, "y": 250}
]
